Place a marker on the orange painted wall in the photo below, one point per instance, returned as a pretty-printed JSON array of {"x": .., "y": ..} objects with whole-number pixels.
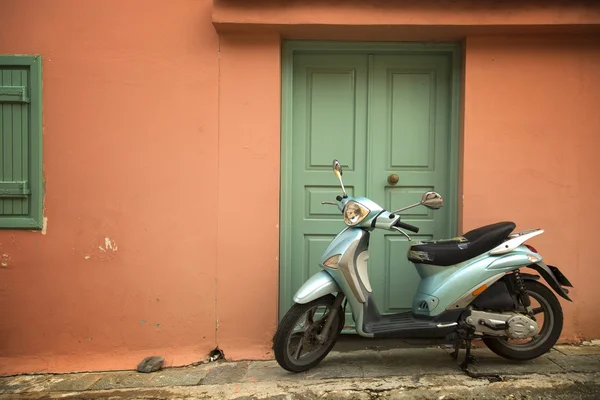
[
  {"x": 156, "y": 127},
  {"x": 130, "y": 154},
  {"x": 248, "y": 236},
  {"x": 390, "y": 20},
  {"x": 531, "y": 140},
  {"x": 409, "y": 13}
]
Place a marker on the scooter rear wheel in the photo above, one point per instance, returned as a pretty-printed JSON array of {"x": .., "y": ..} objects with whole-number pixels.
[
  {"x": 549, "y": 316},
  {"x": 295, "y": 343}
]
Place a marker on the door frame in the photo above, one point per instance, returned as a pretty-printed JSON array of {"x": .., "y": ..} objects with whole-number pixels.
[{"x": 291, "y": 47}]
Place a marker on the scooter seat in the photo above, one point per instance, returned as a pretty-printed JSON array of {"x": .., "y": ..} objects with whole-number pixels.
[{"x": 456, "y": 250}]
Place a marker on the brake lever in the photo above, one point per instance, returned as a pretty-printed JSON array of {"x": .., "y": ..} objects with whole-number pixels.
[
  {"x": 331, "y": 203},
  {"x": 402, "y": 232}
]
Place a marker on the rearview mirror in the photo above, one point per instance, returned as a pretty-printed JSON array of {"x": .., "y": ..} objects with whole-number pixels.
[
  {"x": 337, "y": 170},
  {"x": 432, "y": 200}
]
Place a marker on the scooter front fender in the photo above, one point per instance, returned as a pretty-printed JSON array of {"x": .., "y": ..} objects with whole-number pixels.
[{"x": 318, "y": 285}]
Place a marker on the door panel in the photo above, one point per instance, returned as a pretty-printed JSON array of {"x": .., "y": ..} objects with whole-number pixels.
[
  {"x": 377, "y": 114},
  {"x": 408, "y": 136},
  {"x": 329, "y": 120}
]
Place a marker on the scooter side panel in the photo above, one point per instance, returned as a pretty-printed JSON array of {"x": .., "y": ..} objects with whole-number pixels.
[
  {"x": 432, "y": 278},
  {"x": 349, "y": 243},
  {"x": 447, "y": 287}
]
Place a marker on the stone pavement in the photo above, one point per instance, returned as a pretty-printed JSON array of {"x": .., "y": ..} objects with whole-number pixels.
[{"x": 569, "y": 372}]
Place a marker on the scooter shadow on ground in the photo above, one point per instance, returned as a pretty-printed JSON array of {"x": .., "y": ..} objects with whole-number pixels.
[
  {"x": 421, "y": 356},
  {"x": 349, "y": 342}
]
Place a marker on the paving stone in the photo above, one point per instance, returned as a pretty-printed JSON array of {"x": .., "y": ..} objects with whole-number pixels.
[
  {"x": 178, "y": 377},
  {"x": 410, "y": 362},
  {"x": 353, "y": 342},
  {"x": 263, "y": 371},
  {"x": 488, "y": 362},
  {"x": 270, "y": 397},
  {"x": 329, "y": 369},
  {"x": 226, "y": 373},
  {"x": 75, "y": 382},
  {"x": 355, "y": 356},
  {"x": 578, "y": 350},
  {"x": 23, "y": 383},
  {"x": 120, "y": 380},
  {"x": 576, "y": 363},
  {"x": 593, "y": 342}
]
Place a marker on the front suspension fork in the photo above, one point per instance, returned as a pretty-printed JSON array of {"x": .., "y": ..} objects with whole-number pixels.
[{"x": 324, "y": 335}]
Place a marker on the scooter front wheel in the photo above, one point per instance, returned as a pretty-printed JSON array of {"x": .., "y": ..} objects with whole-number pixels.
[{"x": 296, "y": 343}]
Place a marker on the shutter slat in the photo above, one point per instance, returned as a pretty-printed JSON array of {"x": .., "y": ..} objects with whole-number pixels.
[
  {"x": 7, "y": 142},
  {"x": 11, "y": 189},
  {"x": 13, "y": 94},
  {"x": 18, "y": 134},
  {"x": 25, "y": 143}
]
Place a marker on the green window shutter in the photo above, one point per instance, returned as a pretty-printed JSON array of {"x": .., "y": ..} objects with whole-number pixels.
[{"x": 21, "y": 142}]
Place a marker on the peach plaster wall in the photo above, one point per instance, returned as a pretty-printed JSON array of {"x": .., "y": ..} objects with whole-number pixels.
[
  {"x": 248, "y": 233},
  {"x": 163, "y": 175},
  {"x": 130, "y": 130},
  {"x": 531, "y": 140},
  {"x": 163, "y": 137}
]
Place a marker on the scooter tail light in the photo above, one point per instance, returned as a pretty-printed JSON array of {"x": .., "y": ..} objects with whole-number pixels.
[
  {"x": 531, "y": 248},
  {"x": 332, "y": 262}
]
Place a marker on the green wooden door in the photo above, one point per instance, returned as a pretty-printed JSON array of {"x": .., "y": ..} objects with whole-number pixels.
[
  {"x": 378, "y": 114},
  {"x": 409, "y": 132}
]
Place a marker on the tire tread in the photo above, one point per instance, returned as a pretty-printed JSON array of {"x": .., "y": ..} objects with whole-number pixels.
[{"x": 287, "y": 324}]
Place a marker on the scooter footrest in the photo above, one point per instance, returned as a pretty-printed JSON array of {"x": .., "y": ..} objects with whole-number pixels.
[{"x": 404, "y": 325}]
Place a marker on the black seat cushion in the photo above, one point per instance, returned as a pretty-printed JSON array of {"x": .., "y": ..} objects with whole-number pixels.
[{"x": 459, "y": 249}]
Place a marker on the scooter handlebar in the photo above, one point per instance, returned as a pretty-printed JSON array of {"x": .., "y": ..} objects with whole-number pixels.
[{"x": 408, "y": 227}]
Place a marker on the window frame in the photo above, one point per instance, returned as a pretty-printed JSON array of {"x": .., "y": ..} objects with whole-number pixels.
[{"x": 34, "y": 220}]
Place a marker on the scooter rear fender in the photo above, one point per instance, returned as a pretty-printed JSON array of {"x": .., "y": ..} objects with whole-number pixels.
[{"x": 554, "y": 277}]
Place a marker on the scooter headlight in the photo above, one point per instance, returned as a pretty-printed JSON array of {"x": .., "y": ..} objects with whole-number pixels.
[{"x": 355, "y": 213}]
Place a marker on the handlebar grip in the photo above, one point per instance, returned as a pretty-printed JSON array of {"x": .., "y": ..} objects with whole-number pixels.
[{"x": 408, "y": 227}]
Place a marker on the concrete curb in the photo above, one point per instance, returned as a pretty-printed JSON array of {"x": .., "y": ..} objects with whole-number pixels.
[{"x": 390, "y": 372}]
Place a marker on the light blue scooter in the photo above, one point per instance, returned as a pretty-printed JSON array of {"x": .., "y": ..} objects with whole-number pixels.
[{"x": 471, "y": 287}]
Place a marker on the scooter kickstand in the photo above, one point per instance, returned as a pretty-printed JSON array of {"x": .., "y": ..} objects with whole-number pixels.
[
  {"x": 454, "y": 354},
  {"x": 469, "y": 358}
]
